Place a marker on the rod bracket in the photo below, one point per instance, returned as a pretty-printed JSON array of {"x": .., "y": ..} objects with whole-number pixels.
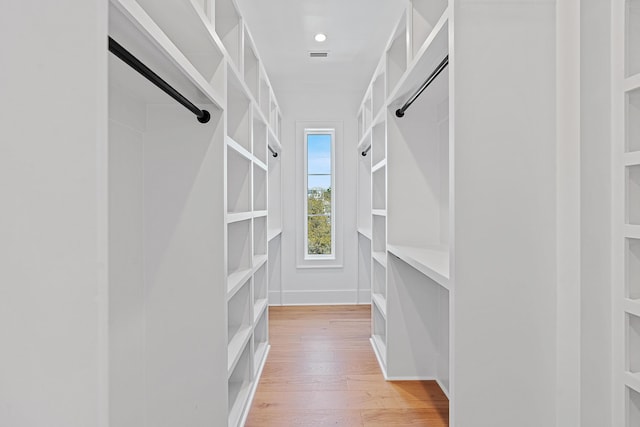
[{"x": 205, "y": 117}]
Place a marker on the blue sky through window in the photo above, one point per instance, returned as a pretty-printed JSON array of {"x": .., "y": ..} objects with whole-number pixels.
[{"x": 319, "y": 160}]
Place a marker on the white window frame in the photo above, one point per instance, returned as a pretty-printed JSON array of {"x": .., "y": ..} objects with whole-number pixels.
[{"x": 320, "y": 131}]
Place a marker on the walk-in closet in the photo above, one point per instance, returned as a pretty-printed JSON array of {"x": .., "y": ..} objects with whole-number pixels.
[{"x": 356, "y": 213}]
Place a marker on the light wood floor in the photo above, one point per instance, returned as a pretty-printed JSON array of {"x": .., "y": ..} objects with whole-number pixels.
[{"x": 321, "y": 371}]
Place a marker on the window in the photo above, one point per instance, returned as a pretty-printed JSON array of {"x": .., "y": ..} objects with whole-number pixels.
[{"x": 320, "y": 194}]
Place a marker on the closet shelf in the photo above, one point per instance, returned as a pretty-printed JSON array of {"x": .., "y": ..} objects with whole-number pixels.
[
  {"x": 238, "y": 148},
  {"x": 260, "y": 214},
  {"x": 272, "y": 234},
  {"x": 632, "y": 82},
  {"x": 379, "y": 212},
  {"x": 258, "y": 260},
  {"x": 632, "y": 231},
  {"x": 428, "y": 57},
  {"x": 632, "y": 158},
  {"x": 236, "y": 345},
  {"x": 241, "y": 390},
  {"x": 380, "y": 257},
  {"x": 258, "y": 309},
  {"x": 173, "y": 59},
  {"x": 381, "y": 164},
  {"x": 632, "y": 306},
  {"x": 432, "y": 262},
  {"x": 632, "y": 380},
  {"x": 362, "y": 143},
  {"x": 365, "y": 232},
  {"x": 238, "y": 216},
  {"x": 236, "y": 279},
  {"x": 381, "y": 303},
  {"x": 274, "y": 140},
  {"x": 258, "y": 162}
]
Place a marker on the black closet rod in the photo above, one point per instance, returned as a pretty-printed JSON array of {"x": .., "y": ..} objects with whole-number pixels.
[
  {"x": 430, "y": 79},
  {"x": 274, "y": 153},
  {"x": 366, "y": 150},
  {"x": 133, "y": 62}
]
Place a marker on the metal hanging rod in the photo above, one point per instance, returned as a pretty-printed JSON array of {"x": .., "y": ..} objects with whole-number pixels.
[
  {"x": 366, "y": 150},
  {"x": 430, "y": 79},
  {"x": 273, "y": 153},
  {"x": 133, "y": 62}
]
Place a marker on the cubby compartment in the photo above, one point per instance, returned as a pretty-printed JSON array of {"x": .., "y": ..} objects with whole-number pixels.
[
  {"x": 260, "y": 293},
  {"x": 632, "y": 407},
  {"x": 239, "y": 256},
  {"x": 364, "y": 268},
  {"x": 228, "y": 26},
  {"x": 379, "y": 235},
  {"x": 364, "y": 193},
  {"x": 260, "y": 236},
  {"x": 378, "y": 94},
  {"x": 275, "y": 270},
  {"x": 379, "y": 143},
  {"x": 261, "y": 339},
  {"x": 632, "y": 247},
  {"x": 251, "y": 66},
  {"x": 418, "y": 163},
  {"x": 379, "y": 185},
  {"x": 273, "y": 115},
  {"x": 361, "y": 123},
  {"x": 259, "y": 188},
  {"x": 633, "y": 120},
  {"x": 633, "y": 194},
  {"x": 632, "y": 42},
  {"x": 259, "y": 139},
  {"x": 379, "y": 333},
  {"x": 239, "y": 322},
  {"x": 396, "y": 55},
  {"x": 379, "y": 280},
  {"x": 265, "y": 93},
  {"x": 633, "y": 343},
  {"x": 238, "y": 114},
  {"x": 275, "y": 193},
  {"x": 239, "y": 386},
  {"x": 424, "y": 16},
  {"x": 367, "y": 111},
  {"x": 238, "y": 182}
]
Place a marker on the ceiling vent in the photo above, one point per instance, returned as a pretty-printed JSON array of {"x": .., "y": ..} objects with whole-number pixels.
[{"x": 318, "y": 54}]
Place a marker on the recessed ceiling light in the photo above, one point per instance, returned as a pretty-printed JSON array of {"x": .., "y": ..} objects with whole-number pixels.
[{"x": 320, "y": 37}]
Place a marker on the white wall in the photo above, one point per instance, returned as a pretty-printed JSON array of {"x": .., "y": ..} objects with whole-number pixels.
[
  {"x": 319, "y": 285},
  {"x": 53, "y": 280}
]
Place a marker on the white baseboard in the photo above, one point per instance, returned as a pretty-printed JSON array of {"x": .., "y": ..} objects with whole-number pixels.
[{"x": 334, "y": 297}]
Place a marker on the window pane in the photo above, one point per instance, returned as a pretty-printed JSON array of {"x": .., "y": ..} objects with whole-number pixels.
[
  {"x": 319, "y": 181},
  {"x": 318, "y": 154},
  {"x": 319, "y": 238}
]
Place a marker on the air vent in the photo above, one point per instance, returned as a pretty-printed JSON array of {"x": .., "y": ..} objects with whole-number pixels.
[{"x": 318, "y": 54}]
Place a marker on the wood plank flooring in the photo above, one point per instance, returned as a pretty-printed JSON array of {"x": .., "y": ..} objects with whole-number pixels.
[{"x": 321, "y": 371}]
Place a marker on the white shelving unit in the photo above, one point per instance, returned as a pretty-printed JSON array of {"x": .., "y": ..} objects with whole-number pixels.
[
  {"x": 196, "y": 276},
  {"x": 626, "y": 108},
  {"x": 442, "y": 189}
]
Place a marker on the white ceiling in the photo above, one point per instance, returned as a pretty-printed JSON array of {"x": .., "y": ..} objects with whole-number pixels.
[{"x": 357, "y": 31}]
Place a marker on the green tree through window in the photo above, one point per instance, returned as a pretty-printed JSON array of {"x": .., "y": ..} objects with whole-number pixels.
[{"x": 319, "y": 200}]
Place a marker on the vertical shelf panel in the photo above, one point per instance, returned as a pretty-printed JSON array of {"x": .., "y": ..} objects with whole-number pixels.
[
  {"x": 228, "y": 27},
  {"x": 633, "y": 194},
  {"x": 379, "y": 143},
  {"x": 633, "y": 408},
  {"x": 238, "y": 114},
  {"x": 379, "y": 234},
  {"x": 259, "y": 188},
  {"x": 379, "y": 189},
  {"x": 238, "y": 182},
  {"x": 260, "y": 340},
  {"x": 633, "y": 121},
  {"x": 632, "y": 42},
  {"x": 239, "y": 246},
  {"x": 379, "y": 332},
  {"x": 425, "y": 15},
  {"x": 378, "y": 93},
  {"x": 633, "y": 268},
  {"x": 379, "y": 280},
  {"x": 260, "y": 236},
  {"x": 364, "y": 191},
  {"x": 251, "y": 67},
  {"x": 275, "y": 270},
  {"x": 364, "y": 268},
  {"x": 633, "y": 343},
  {"x": 259, "y": 139},
  {"x": 265, "y": 93},
  {"x": 397, "y": 55}
]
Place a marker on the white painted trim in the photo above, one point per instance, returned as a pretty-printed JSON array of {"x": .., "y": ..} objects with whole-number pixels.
[
  {"x": 320, "y": 131},
  {"x": 315, "y": 297}
]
